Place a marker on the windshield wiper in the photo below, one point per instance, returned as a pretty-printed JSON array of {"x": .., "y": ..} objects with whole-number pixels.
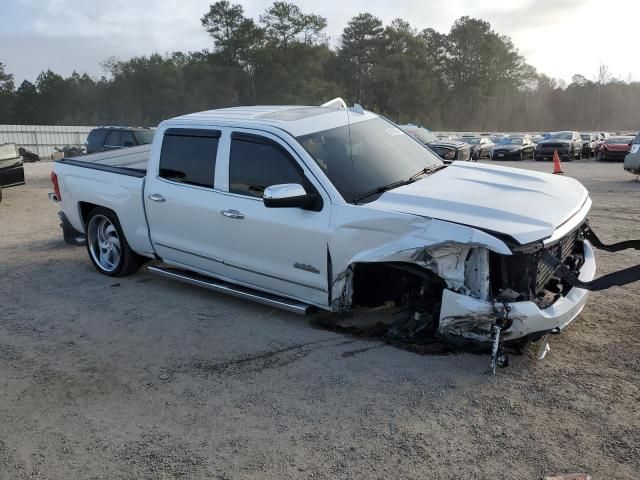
[
  {"x": 426, "y": 171},
  {"x": 400, "y": 183}
]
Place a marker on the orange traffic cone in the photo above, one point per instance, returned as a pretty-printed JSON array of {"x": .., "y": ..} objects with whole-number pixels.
[{"x": 557, "y": 169}]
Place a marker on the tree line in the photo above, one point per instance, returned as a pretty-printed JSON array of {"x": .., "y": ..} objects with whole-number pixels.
[{"x": 471, "y": 78}]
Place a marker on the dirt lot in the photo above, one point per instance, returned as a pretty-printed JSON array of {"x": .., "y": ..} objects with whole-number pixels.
[{"x": 142, "y": 377}]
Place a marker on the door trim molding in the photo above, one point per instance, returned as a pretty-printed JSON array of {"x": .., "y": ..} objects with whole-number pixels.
[{"x": 314, "y": 287}]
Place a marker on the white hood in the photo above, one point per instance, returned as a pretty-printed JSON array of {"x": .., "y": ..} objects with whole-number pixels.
[{"x": 526, "y": 205}]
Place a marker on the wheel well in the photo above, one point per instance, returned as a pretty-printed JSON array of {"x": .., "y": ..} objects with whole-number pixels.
[
  {"x": 402, "y": 283},
  {"x": 85, "y": 208}
]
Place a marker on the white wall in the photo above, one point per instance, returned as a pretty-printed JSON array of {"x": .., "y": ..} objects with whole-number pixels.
[{"x": 42, "y": 139}]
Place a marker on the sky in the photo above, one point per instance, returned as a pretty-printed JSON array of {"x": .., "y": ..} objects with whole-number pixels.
[{"x": 558, "y": 37}]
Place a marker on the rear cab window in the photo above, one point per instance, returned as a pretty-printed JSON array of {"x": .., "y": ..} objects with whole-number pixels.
[{"x": 189, "y": 156}]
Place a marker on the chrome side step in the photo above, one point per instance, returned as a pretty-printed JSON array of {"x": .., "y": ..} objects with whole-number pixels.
[{"x": 235, "y": 290}]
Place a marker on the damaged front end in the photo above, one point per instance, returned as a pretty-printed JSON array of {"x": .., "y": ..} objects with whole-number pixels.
[{"x": 472, "y": 295}]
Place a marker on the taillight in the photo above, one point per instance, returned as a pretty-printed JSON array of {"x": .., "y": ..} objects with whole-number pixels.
[{"x": 56, "y": 187}]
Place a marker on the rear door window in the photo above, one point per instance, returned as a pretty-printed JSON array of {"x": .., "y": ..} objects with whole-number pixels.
[
  {"x": 128, "y": 140},
  {"x": 97, "y": 137},
  {"x": 189, "y": 156},
  {"x": 256, "y": 162},
  {"x": 114, "y": 139}
]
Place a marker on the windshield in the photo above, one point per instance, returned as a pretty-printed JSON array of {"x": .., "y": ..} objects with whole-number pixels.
[
  {"x": 422, "y": 134},
  {"x": 561, "y": 136},
  {"x": 469, "y": 140},
  {"x": 144, "y": 136},
  {"x": 510, "y": 141},
  {"x": 585, "y": 136},
  {"x": 366, "y": 155}
]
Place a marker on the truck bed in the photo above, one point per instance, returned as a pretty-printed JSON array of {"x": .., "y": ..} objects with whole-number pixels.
[{"x": 128, "y": 161}]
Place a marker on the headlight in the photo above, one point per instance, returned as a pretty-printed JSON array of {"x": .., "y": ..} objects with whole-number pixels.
[{"x": 450, "y": 154}]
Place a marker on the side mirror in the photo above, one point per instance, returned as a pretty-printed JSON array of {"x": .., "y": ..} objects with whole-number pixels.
[{"x": 288, "y": 195}]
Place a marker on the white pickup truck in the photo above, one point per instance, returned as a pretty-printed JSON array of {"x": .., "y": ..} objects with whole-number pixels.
[{"x": 336, "y": 208}]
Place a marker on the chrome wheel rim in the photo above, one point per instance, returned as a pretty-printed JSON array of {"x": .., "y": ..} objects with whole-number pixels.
[{"x": 104, "y": 243}]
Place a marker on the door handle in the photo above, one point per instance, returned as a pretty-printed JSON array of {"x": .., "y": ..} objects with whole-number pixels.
[
  {"x": 235, "y": 214},
  {"x": 156, "y": 197}
]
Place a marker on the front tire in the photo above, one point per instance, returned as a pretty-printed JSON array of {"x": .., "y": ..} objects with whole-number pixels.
[{"x": 107, "y": 246}]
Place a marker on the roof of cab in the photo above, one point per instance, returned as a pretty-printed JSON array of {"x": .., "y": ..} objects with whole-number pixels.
[{"x": 295, "y": 119}]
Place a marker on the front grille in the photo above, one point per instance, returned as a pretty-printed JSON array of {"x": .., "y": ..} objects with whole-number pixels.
[
  {"x": 554, "y": 145},
  {"x": 524, "y": 275},
  {"x": 561, "y": 251}
]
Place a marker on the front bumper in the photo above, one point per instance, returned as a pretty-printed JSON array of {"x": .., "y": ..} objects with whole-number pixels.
[
  {"x": 544, "y": 154},
  {"x": 506, "y": 155},
  {"x": 469, "y": 318},
  {"x": 607, "y": 155}
]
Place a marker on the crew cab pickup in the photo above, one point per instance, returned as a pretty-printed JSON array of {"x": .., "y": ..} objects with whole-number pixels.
[{"x": 335, "y": 208}]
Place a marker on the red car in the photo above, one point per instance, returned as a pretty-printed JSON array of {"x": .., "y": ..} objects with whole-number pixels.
[{"x": 614, "y": 149}]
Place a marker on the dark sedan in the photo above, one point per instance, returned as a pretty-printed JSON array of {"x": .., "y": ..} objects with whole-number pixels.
[
  {"x": 446, "y": 149},
  {"x": 11, "y": 169},
  {"x": 514, "y": 148},
  {"x": 614, "y": 149},
  {"x": 568, "y": 145}
]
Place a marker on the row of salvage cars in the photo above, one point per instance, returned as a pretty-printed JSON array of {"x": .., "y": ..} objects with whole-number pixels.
[
  {"x": 476, "y": 147},
  {"x": 570, "y": 145}
]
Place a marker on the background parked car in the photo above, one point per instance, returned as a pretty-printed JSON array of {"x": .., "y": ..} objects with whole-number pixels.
[
  {"x": 444, "y": 148},
  {"x": 11, "y": 167},
  {"x": 111, "y": 138},
  {"x": 514, "y": 147},
  {"x": 568, "y": 144},
  {"x": 615, "y": 149},
  {"x": 589, "y": 143},
  {"x": 481, "y": 147},
  {"x": 632, "y": 160},
  {"x": 538, "y": 138}
]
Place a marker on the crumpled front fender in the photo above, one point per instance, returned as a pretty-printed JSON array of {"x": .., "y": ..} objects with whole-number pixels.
[{"x": 436, "y": 245}]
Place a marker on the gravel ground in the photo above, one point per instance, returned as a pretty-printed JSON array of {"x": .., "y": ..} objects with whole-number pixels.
[{"x": 142, "y": 377}]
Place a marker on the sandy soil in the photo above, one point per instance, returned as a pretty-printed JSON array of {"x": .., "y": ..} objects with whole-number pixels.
[{"x": 142, "y": 377}]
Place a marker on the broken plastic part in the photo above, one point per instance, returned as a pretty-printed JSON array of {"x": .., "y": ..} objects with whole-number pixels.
[
  {"x": 614, "y": 247},
  {"x": 619, "y": 278},
  {"x": 544, "y": 347},
  {"x": 337, "y": 102}
]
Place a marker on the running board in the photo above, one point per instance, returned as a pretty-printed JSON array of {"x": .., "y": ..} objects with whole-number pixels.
[{"x": 235, "y": 290}]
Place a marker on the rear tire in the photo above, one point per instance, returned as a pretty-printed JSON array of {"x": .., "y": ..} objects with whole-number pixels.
[{"x": 107, "y": 246}]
